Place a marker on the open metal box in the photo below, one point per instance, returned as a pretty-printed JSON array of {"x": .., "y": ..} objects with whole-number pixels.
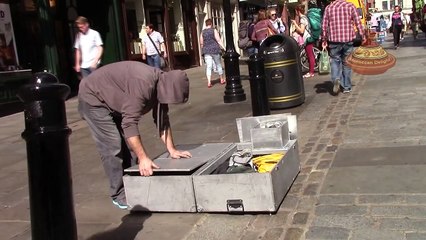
[
  {"x": 170, "y": 189},
  {"x": 199, "y": 189},
  {"x": 252, "y": 192}
]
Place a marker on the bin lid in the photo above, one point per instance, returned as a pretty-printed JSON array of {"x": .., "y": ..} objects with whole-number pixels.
[{"x": 174, "y": 165}]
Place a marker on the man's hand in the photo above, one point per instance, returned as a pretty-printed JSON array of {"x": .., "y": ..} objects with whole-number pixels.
[
  {"x": 324, "y": 44},
  {"x": 146, "y": 167},
  {"x": 77, "y": 68},
  {"x": 180, "y": 154},
  {"x": 143, "y": 57}
]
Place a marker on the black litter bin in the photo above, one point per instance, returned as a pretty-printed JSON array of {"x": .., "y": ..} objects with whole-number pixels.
[{"x": 284, "y": 80}]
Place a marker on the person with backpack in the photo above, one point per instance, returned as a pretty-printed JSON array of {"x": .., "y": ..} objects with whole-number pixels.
[
  {"x": 245, "y": 30},
  {"x": 303, "y": 30}
]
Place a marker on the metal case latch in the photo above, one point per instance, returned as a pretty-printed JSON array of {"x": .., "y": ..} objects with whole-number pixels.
[{"x": 235, "y": 206}]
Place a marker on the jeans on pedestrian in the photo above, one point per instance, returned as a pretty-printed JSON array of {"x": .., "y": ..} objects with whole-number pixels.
[
  {"x": 108, "y": 135},
  {"x": 251, "y": 50},
  {"x": 154, "y": 60},
  {"x": 210, "y": 59},
  {"x": 339, "y": 67},
  {"x": 85, "y": 72}
]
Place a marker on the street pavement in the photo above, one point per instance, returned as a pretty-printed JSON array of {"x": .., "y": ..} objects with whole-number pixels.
[{"x": 363, "y": 163}]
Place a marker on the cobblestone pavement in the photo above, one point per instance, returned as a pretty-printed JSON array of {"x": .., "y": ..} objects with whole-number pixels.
[{"x": 361, "y": 178}]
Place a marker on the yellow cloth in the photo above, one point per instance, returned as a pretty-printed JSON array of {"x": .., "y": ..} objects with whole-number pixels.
[{"x": 266, "y": 163}]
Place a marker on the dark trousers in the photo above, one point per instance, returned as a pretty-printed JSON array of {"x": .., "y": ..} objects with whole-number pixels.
[
  {"x": 396, "y": 30},
  {"x": 108, "y": 135}
]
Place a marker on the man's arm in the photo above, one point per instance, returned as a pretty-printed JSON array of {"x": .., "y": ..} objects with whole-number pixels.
[
  {"x": 324, "y": 27},
  {"x": 95, "y": 62},
  {"x": 167, "y": 138},
  {"x": 143, "y": 51},
  {"x": 145, "y": 163},
  {"x": 163, "y": 49},
  {"x": 77, "y": 59}
]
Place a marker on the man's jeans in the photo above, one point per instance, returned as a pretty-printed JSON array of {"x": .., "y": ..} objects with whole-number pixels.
[
  {"x": 154, "y": 60},
  {"x": 108, "y": 135},
  {"x": 339, "y": 67},
  {"x": 85, "y": 72}
]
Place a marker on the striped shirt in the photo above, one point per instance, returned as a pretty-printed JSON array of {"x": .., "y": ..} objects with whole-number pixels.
[{"x": 340, "y": 18}]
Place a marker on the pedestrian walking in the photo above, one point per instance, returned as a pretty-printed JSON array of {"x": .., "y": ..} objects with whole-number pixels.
[
  {"x": 275, "y": 20},
  {"x": 397, "y": 25},
  {"x": 302, "y": 30},
  {"x": 88, "y": 48},
  {"x": 338, "y": 34},
  {"x": 153, "y": 47},
  {"x": 212, "y": 46},
  {"x": 263, "y": 28},
  {"x": 113, "y": 99}
]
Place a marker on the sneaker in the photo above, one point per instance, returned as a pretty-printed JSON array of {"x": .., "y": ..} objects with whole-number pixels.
[
  {"x": 120, "y": 204},
  {"x": 336, "y": 86},
  {"x": 347, "y": 90}
]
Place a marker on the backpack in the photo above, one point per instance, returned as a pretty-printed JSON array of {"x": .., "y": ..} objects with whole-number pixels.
[
  {"x": 315, "y": 20},
  {"x": 244, "y": 40}
]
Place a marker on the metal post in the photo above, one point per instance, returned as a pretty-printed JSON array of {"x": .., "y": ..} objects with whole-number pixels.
[
  {"x": 49, "y": 172},
  {"x": 259, "y": 97},
  {"x": 234, "y": 92}
]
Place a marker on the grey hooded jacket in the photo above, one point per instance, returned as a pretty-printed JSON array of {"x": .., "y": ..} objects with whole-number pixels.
[{"x": 132, "y": 89}]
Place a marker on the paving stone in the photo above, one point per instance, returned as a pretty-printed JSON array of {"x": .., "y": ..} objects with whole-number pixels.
[
  {"x": 336, "y": 199},
  {"x": 324, "y": 165},
  {"x": 381, "y": 199},
  {"x": 279, "y": 219},
  {"x": 399, "y": 211},
  {"x": 306, "y": 203},
  {"x": 415, "y": 199},
  {"x": 252, "y": 235},
  {"x": 403, "y": 224},
  {"x": 340, "y": 210},
  {"x": 327, "y": 233},
  {"x": 349, "y": 222},
  {"x": 415, "y": 236},
  {"x": 290, "y": 202},
  {"x": 375, "y": 234},
  {"x": 316, "y": 176},
  {"x": 300, "y": 218},
  {"x": 294, "y": 234},
  {"x": 311, "y": 189},
  {"x": 261, "y": 221},
  {"x": 273, "y": 234},
  {"x": 301, "y": 178}
]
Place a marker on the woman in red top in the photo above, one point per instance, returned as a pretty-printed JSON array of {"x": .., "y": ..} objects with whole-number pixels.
[{"x": 263, "y": 28}]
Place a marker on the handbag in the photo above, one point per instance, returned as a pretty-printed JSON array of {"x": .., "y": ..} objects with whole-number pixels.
[
  {"x": 324, "y": 62},
  {"x": 357, "y": 41},
  {"x": 163, "y": 61}
]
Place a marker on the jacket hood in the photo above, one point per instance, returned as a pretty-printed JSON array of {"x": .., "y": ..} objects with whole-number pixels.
[{"x": 173, "y": 87}]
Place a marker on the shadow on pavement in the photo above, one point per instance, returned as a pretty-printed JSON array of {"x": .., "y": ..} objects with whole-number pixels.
[
  {"x": 324, "y": 87},
  {"x": 131, "y": 225}
]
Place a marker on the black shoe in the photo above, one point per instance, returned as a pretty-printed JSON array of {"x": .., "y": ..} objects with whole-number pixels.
[{"x": 347, "y": 90}]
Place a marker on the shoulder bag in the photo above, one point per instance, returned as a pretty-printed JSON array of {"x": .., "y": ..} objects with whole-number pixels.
[{"x": 163, "y": 61}]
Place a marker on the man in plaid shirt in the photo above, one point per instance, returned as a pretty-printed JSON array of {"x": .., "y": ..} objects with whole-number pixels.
[{"x": 340, "y": 19}]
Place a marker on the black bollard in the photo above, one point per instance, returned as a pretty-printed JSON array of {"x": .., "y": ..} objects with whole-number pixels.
[
  {"x": 49, "y": 172},
  {"x": 259, "y": 96},
  {"x": 234, "y": 91}
]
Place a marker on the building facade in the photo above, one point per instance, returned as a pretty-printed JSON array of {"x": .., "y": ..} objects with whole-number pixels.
[{"x": 40, "y": 33}]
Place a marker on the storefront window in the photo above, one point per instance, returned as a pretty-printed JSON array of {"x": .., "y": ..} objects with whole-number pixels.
[
  {"x": 8, "y": 55},
  {"x": 177, "y": 26}
]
